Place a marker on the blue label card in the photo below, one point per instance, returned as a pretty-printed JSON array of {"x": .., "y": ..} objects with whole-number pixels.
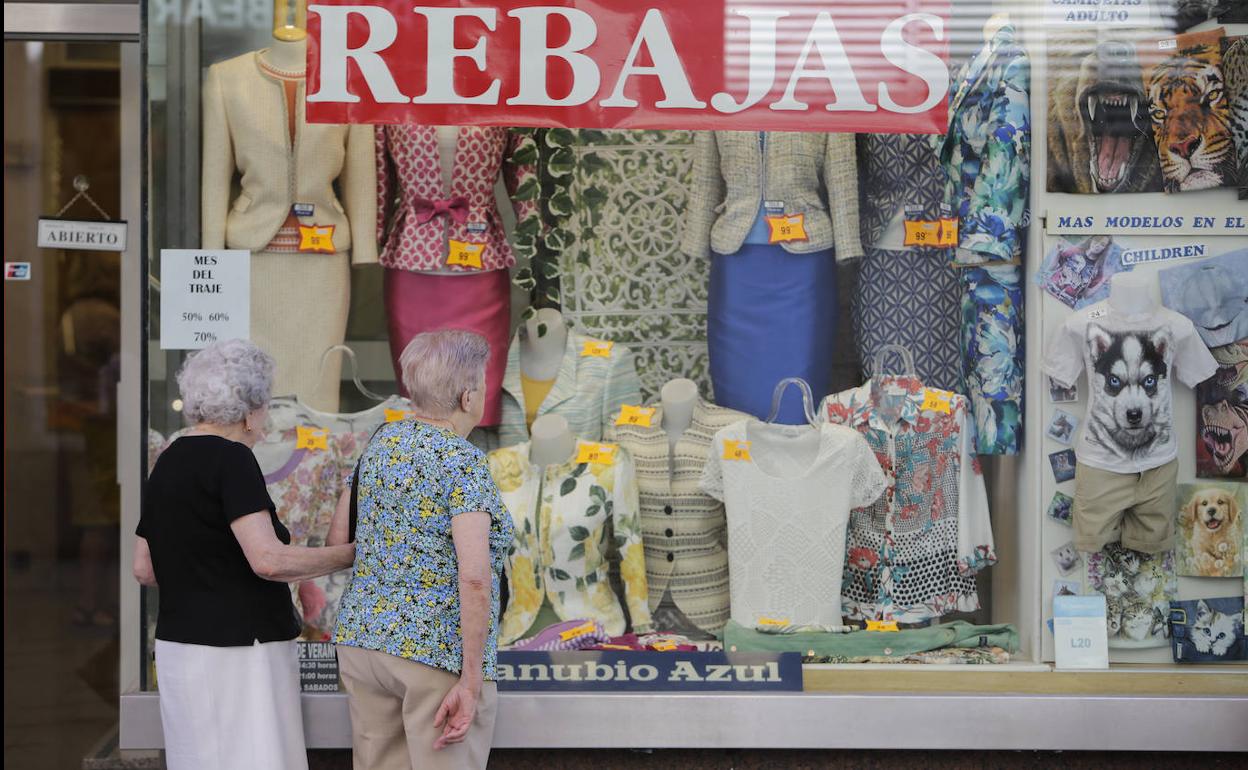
[
  {"x": 629, "y": 671},
  {"x": 1080, "y": 637},
  {"x": 303, "y": 209}
]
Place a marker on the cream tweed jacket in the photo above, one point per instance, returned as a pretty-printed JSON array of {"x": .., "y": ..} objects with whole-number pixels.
[
  {"x": 811, "y": 174},
  {"x": 247, "y": 136}
]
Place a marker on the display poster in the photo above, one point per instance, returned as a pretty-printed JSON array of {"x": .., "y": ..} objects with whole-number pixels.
[
  {"x": 82, "y": 235},
  {"x": 205, "y": 296},
  {"x": 784, "y": 65},
  {"x": 318, "y": 667},
  {"x": 633, "y": 671}
]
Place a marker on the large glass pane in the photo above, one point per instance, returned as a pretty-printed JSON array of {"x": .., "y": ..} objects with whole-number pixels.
[{"x": 61, "y": 367}]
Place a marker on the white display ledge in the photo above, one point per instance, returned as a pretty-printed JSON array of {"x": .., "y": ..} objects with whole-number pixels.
[{"x": 807, "y": 721}]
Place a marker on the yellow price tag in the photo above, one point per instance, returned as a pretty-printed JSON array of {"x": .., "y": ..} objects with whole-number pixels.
[
  {"x": 577, "y": 632},
  {"x": 948, "y": 232},
  {"x": 311, "y": 438},
  {"x": 773, "y": 622},
  {"x": 395, "y": 415},
  {"x": 597, "y": 349},
  {"x": 736, "y": 450},
  {"x": 921, "y": 232},
  {"x": 636, "y": 415},
  {"x": 663, "y": 646},
  {"x": 465, "y": 254},
  {"x": 882, "y": 625},
  {"x": 602, "y": 454},
  {"x": 316, "y": 238},
  {"x": 787, "y": 228},
  {"x": 615, "y": 647},
  {"x": 937, "y": 400}
]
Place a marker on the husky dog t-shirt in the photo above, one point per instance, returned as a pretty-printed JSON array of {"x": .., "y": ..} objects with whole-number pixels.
[{"x": 1132, "y": 361}]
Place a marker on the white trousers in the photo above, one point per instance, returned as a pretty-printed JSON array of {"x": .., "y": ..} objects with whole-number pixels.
[{"x": 231, "y": 708}]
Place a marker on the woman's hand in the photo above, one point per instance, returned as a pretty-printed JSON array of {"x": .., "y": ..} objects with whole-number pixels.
[{"x": 456, "y": 713}]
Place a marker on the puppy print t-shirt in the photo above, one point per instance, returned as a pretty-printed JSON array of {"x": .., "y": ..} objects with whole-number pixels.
[{"x": 1132, "y": 363}]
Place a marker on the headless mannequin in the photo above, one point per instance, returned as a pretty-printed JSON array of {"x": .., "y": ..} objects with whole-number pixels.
[
  {"x": 287, "y": 56},
  {"x": 541, "y": 355},
  {"x": 552, "y": 441},
  {"x": 995, "y": 22},
  {"x": 1130, "y": 294},
  {"x": 678, "y": 398}
]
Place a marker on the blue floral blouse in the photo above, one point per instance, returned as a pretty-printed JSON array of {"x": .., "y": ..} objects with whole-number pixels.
[{"x": 403, "y": 598}]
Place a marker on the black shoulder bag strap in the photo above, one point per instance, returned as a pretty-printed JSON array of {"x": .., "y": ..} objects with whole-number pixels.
[{"x": 353, "y": 512}]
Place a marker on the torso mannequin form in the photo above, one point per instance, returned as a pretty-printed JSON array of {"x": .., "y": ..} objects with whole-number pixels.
[
  {"x": 541, "y": 355},
  {"x": 290, "y": 57},
  {"x": 1130, "y": 294},
  {"x": 552, "y": 441},
  {"x": 678, "y": 398}
]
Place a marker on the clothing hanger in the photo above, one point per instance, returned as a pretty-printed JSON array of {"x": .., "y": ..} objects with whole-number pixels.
[
  {"x": 877, "y": 365},
  {"x": 808, "y": 400},
  {"x": 355, "y": 370}
]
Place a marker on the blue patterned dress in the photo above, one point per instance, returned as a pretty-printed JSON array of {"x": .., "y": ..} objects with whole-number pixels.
[{"x": 985, "y": 156}]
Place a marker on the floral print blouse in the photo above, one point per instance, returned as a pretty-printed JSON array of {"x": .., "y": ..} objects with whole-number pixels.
[
  {"x": 986, "y": 152},
  {"x": 912, "y": 555},
  {"x": 403, "y": 598},
  {"x": 568, "y": 519}
]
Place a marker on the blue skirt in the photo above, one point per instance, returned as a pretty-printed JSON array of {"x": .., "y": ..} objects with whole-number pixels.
[{"x": 771, "y": 315}]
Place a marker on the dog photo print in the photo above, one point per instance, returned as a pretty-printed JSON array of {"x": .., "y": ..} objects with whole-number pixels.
[
  {"x": 1222, "y": 416},
  {"x": 1210, "y": 530}
]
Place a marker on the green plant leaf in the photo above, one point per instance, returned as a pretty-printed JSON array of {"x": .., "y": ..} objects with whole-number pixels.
[
  {"x": 566, "y": 487},
  {"x": 578, "y": 533},
  {"x": 577, "y": 552}
]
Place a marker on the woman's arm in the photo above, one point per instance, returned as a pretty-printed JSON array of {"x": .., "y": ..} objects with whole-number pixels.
[
  {"x": 143, "y": 570},
  {"x": 471, "y": 534},
  {"x": 340, "y": 524},
  {"x": 272, "y": 559}
]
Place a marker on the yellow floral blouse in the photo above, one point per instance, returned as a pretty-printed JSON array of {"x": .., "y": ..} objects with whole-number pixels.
[{"x": 568, "y": 518}]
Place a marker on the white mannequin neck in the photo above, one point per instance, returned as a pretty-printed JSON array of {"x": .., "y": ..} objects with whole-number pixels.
[
  {"x": 541, "y": 355},
  {"x": 287, "y": 56},
  {"x": 678, "y": 398},
  {"x": 552, "y": 443},
  {"x": 1130, "y": 294}
]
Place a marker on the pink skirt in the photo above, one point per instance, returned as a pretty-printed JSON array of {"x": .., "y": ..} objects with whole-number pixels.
[{"x": 479, "y": 302}]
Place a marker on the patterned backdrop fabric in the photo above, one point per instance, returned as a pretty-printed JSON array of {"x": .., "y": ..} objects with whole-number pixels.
[{"x": 623, "y": 278}]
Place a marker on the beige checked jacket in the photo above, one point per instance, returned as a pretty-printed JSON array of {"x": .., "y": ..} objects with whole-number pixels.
[
  {"x": 246, "y": 138},
  {"x": 809, "y": 173}
]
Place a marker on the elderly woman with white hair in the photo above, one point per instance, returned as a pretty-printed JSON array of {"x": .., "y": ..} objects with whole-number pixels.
[
  {"x": 417, "y": 628},
  {"x": 209, "y": 536}
]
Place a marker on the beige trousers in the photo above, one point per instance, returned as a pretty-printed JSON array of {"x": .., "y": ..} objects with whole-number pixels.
[{"x": 393, "y": 702}]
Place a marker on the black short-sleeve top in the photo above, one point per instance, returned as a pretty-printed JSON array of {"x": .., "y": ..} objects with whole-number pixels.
[{"x": 208, "y": 592}]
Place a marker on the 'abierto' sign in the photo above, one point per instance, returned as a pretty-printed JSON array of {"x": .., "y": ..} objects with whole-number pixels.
[{"x": 797, "y": 65}]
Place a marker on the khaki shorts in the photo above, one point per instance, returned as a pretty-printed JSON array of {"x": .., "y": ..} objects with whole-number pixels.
[{"x": 1136, "y": 508}]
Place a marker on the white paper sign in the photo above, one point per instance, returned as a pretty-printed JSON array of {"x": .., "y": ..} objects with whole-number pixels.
[
  {"x": 81, "y": 235},
  {"x": 1080, "y": 638},
  {"x": 1093, "y": 13},
  {"x": 205, "y": 296}
]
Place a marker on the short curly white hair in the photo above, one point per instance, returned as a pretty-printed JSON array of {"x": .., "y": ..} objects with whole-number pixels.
[{"x": 225, "y": 381}]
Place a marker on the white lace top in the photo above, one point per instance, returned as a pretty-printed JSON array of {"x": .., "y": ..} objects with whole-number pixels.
[{"x": 788, "y": 501}]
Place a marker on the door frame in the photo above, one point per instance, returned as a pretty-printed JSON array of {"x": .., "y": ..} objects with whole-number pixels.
[{"x": 120, "y": 23}]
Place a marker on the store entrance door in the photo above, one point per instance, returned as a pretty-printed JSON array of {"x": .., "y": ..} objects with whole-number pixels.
[{"x": 64, "y": 315}]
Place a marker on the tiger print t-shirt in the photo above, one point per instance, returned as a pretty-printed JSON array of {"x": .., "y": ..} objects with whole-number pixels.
[{"x": 1132, "y": 360}]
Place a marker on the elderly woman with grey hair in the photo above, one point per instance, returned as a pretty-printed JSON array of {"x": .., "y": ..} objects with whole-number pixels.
[
  {"x": 418, "y": 625},
  {"x": 209, "y": 536}
]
